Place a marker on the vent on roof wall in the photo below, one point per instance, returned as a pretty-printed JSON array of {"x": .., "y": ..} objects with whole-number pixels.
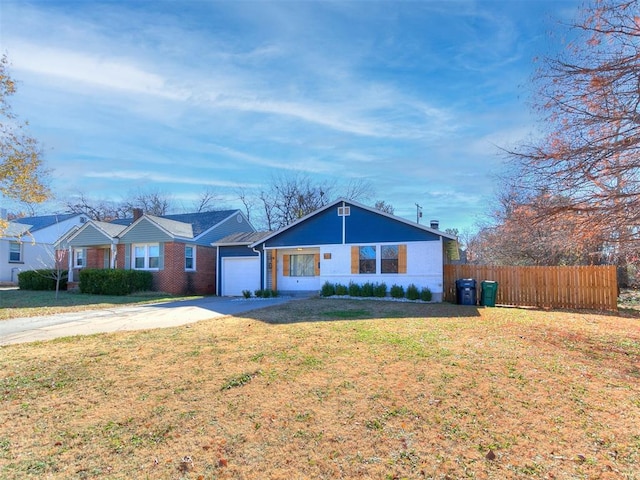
[
  {"x": 435, "y": 224},
  {"x": 344, "y": 211}
]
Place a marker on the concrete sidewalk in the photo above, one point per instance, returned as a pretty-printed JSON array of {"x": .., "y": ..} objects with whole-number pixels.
[{"x": 161, "y": 315}]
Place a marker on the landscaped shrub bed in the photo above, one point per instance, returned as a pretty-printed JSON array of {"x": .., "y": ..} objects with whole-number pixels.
[
  {"x": 114, "y": 282},
  {"x": 369, "y": 290},
  {"x": 43, "y": 279}
]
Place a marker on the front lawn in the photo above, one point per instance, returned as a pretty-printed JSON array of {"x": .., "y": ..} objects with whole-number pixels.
[
  {"x": 16, "y": 303},
  {"x": 329, "y": 389}
]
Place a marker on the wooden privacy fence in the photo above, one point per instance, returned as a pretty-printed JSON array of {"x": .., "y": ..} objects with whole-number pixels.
[{"x": 593, "y": 286}]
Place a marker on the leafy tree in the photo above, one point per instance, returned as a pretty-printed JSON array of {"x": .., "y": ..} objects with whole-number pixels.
[
  {"x": 588, "y": 162},
  {"x": 22, "y": 176}
]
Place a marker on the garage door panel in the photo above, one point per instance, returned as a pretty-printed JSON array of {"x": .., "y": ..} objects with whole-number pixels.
[{"x": 240, "y": 273}]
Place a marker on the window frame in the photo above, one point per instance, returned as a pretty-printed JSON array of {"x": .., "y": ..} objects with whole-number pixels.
[
  {"x": 363, "y": 261},
  {"x": 308, "y": 265},
  {"x": 14, "y": 243},
  {"x": 79, "y": 254},
  {"x": 192, "y": 258},
  {"x": 396, "y": 259},
  {"x": 146, "y": 257}
]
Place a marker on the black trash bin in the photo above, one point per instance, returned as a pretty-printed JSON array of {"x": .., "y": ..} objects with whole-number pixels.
[
  {"x": 466, "y": 291},
  {"x": 489, "y": 291}
]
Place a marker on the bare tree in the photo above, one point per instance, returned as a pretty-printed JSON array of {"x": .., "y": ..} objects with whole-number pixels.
[
  {"x": 152, "y": 202},
  {"x": 100, "y": 210},
  {"x": 208, "y": 200},
  {"x": 589, "y": 159},
  {"x": 384, "y": 206}
]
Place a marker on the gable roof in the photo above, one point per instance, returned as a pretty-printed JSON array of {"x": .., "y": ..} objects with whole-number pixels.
[
  {"x": 185, "y": 225},
  {"x": 172, "y": 227},
  {"x": 203, "y": 221},
  {"x": 358, "y": 205},
  {"x": 44, "y": 221},
  {"x": 241, "y": 238},
  {"x": 14, "y": 229}
]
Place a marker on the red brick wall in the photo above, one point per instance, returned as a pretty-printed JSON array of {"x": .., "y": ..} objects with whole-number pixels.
[{"x": 173, "y": 278}]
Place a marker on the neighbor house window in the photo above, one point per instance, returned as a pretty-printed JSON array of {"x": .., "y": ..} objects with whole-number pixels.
[
  {"x": 15, "y": 252},
  {"x": 367, "y": 259},
  {"x": 389, "y": 258},
  {"x": 78, "y": 258},
  {"x": 302, "y": 265},
  {"x": 189, "y": 257},
  {"x": 146, "y": 256}
]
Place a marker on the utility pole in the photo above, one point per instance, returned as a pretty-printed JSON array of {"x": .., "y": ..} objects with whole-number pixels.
[{"x": 418, "y": 213}]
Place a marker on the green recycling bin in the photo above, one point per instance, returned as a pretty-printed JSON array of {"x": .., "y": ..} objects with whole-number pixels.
[{"x": 489, "y": 291}]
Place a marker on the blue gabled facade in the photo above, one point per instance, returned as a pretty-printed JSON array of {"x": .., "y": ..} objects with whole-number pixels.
[{"x": 361, "y": 225}]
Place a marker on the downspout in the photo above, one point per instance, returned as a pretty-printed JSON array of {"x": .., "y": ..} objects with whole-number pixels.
[{"x": 263, "y": 277}]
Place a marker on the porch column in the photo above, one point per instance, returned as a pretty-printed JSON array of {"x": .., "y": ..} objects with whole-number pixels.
[
  {"x": 114, "y": 251},
  {"x": 274, "y": 269},
  {"x": 70, "y": 262}
]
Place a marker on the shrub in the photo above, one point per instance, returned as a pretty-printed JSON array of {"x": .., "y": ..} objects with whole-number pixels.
[
  {"x": 114, "y": 282},
  {"x": 367, "y": 290},
  {"x": 341, "y": 289},
  {"x": 355, "y": 290},
  {"x": 328, "y": 289},
  {"x": 258, "y": 293},
  {"x": 246, "y": 293},
  {"x": 425, "y": 294},
  {"x": 380, "y": 290},
  {"x": 397, "y": 291},
  {"x": 43, "y": 279},
  {"x": 275, "y": 293},
  {"x": 412, "y": 292}
]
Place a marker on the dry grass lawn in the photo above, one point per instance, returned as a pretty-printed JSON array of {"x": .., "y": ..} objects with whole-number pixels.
[{"x": 330, "y": 389}]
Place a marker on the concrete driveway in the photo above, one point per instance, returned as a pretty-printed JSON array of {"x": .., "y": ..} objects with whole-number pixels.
[{"x": 140, "y": 317}]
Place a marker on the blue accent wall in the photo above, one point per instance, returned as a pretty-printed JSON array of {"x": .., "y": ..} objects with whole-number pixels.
[
  {"x": 236, "y": 251},
  {"x": 361, "y": 226},
  {"x": 364, "y": 226},
  {"x": 324, "y": 228}
]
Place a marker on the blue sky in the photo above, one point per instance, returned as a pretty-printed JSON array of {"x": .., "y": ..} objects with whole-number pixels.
[{"x": 413, "y": 97}]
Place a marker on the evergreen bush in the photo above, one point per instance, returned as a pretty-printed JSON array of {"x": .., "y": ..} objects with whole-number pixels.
[
  {"x": 380, "y": 290},
  {"x": 355, "y": 290},
  {"x": 397, "y": 291},
  {"x": 426, "y": 295},
  {"x": 43, "y": 279},
  {"x": 328, "y": 289},
  {"x": 341, "y": 289},
  {"x": 412, "y": 292},
  {"x": 99, "y": 281}
]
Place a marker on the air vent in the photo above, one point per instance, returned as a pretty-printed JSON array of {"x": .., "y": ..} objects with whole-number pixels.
[{"x": 344, "y": 211}]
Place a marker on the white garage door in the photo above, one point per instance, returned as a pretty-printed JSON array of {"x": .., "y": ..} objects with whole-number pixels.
[{"x": 240, "y": 273}]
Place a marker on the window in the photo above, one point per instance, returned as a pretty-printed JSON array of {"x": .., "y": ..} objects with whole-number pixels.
[
  {"x": 78, "y": 258},
  {"x": 15, "y": 252},
  {"x": 189, "y": 258},
  {"x": 367, "y": 259},
  {"x": 146, "y": 256},
  {"x": 389, "y": 258},
  {"x": 344, "y": 211},
  {"x": 302, "y": 265}
]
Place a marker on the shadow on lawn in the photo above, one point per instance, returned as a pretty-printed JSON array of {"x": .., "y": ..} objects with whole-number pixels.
[{"x": 319, "y": 309}]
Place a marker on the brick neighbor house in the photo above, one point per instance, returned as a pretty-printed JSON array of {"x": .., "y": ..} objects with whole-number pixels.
[{"x": 175, "y": 248}]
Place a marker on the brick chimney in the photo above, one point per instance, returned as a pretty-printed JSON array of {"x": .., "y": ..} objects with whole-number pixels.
[{"x": 137, "y": 213}]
